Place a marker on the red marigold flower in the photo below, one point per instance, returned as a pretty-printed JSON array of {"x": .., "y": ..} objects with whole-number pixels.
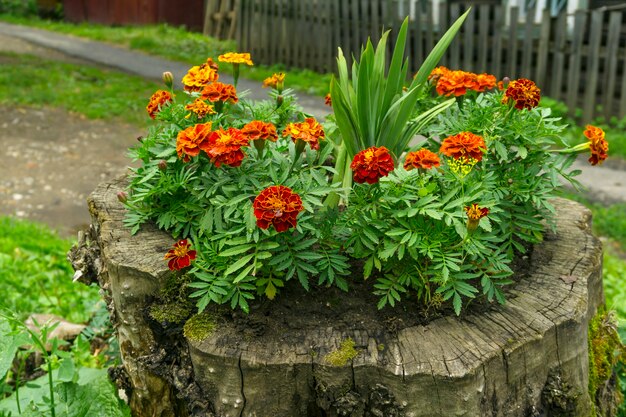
[
  {"x": 474, "y": 214},
  {"x": 308, "y": 131},
  {"x": 598, "y": 146},
  {"x": 278, "y": 206},
  {"x": 159, "y": 99},
  {"x": 200, "y": 108},
  {"x": 224, "y": 147},
  {"x": 276, "y": 81},
  {"x": 328, "y": 100},
  {"x": 257, "y": 129},
  {"x": 464, "y": 145},
  {"x": 236, "y": 58},
  {"x": 485, "y": 82},
  {"x": 180, "y": 256},
  {"x": 189, "y": 142},
  {"x": 371, "y": 164},
  {"x": 199, "y": 76},
  {"x": 423, "y": 159},
  {"x": 219, "y": 92},
  {"x": 523, "y": 92}
]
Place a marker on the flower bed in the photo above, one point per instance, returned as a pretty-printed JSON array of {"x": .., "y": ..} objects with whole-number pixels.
[{"x": 417, "y": 196}]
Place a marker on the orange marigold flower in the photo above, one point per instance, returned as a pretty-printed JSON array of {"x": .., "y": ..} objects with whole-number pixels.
[
  {"x": 328, "y": 100},
  {"x": 474, "y": 214},
  {"x": 219, "y": 92},
  {"x": 371, "y": 164},
  {"x": 276, "y": 81},
  {"x": 278, "y": 206},
  {"x": 224, "y": 147},
  {"x": 423, "y": 159},
  {"x": 464, "y": 145},
  {"x": 199, "y": 76},
  {"x": 485, "y": 82},
  {"x": 189, "y": 142},
  {"x": 308, "y": 131},
  {"x": 437, "y": 73},
  {"x": 159, "y": 99},
  {"x": 523, "y": 92},
  {"x": 456, "y": 83},
  {"x": 180, "y": 256},
  {"x": 236, "y": 58},
  {"x": 200, "y": 108},
  {"x": 598, "y": 146},
  {"x": 257, "y": 129}
]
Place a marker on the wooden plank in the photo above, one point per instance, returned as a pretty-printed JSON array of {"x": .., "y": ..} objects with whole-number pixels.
[
  {"x": 455, "y": 45},
  {"x": 240, "y": 34},
  {"x": 558, "y": 63},
  {"x": 354, "y": 25},
  {"x": 511, "y": 53},
  {"x": 270, "y": 30},
  {"x": 376, "y": 24},
  {"x": 444, "y": 22},
  {"x": 527, "y": 51},
  {"x": 430, "y": 30},
  {"x": 209, "y": 9},
  {"x": 622, "y": 101},
  {"x": 420, "y": 30},
  {"x": 232, "y": 18},
  {"x": 612, "y": 56},
  {"x": 593, "y": 65},
  {"x": 483, "y": 37},
  {"x": 496, "y": 52},
  {"x": 336, "y": 40},
  {"x": 541, "y": 75},
  {"x": 468, "y": 41},
  {"x": 573, "y": 76}
]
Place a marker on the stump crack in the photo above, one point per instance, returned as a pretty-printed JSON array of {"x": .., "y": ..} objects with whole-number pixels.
[
  {"x": 243, "y": 395},
  {"x": 432, "y": 373}
]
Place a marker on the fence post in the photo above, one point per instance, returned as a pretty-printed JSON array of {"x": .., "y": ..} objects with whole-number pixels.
[
  {"x": 573, "y": 77},
  {"x": 612, "y": 50},
  {"x": 544, "y": 43},
  {"x": 593, "y": 65}
]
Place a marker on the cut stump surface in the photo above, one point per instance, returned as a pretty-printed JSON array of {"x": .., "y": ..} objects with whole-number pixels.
[{"x": 525, "y": 358}]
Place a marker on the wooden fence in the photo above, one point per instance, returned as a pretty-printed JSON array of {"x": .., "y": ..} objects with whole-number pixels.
[{"x": 579, "y": 58}]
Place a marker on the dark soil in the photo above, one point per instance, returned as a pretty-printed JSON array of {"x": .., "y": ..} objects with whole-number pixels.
[{"x": 296, "y": 311}]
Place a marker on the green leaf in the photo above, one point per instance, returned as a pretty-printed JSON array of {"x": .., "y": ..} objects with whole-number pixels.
[
  {"x": 270, "y": 290},
  {"x": 66, "y": 370},
  {"x": 237, "y": 250},
  {"x": 239, "y": 264},
  {"x": 9, "y": 343}
]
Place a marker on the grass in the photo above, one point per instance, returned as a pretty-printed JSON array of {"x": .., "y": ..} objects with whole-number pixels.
[
  {"x": 177, "y": 44},
  {"x": 93, "y": 92},
  {"x": 35, "y": 276}
]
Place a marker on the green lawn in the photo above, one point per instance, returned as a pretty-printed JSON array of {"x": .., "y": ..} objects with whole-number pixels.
[
  {"x": 35, "y": 276},
  {"x": 96, "y": 93}
]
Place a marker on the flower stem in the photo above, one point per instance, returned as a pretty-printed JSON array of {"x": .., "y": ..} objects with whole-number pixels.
[{"x": 340, "y": 169}]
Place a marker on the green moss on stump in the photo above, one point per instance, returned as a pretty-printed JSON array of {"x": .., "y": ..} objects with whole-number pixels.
[
  {"x": 170, "y": 312},
  {"x": 605, "y": 348},
  {"x": 199, "y": 327},
  {"x": 341, "y": 356}
]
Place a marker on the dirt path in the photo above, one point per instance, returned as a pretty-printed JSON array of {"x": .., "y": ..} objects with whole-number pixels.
[{"x": 52, "y": 160}]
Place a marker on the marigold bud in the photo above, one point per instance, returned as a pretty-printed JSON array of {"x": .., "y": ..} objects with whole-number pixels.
[
  {"x": 279, "y": 101},
  {"x": 122, "y": 196},
  {"x": 139, "y": 138},
  {"x": 168, "y": 79},
  {"x": 162, "y": 165}
]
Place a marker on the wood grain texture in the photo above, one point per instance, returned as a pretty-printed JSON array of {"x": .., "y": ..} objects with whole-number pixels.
[{"x": 496, "y": 363}]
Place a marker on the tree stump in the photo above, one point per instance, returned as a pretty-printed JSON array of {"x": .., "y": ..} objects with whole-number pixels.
[{"x": 528, "y": 357}]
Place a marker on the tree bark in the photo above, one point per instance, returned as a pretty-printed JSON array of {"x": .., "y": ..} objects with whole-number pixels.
[{"x": 527, "y": 357}]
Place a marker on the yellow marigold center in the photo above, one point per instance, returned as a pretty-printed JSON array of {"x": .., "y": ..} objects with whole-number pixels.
[
  {"x": 368, "y": 155},
  {"x": 277, "y": 204},
  {"x": 224, "y": 139},
  {"x": 180, "y": 251}
]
